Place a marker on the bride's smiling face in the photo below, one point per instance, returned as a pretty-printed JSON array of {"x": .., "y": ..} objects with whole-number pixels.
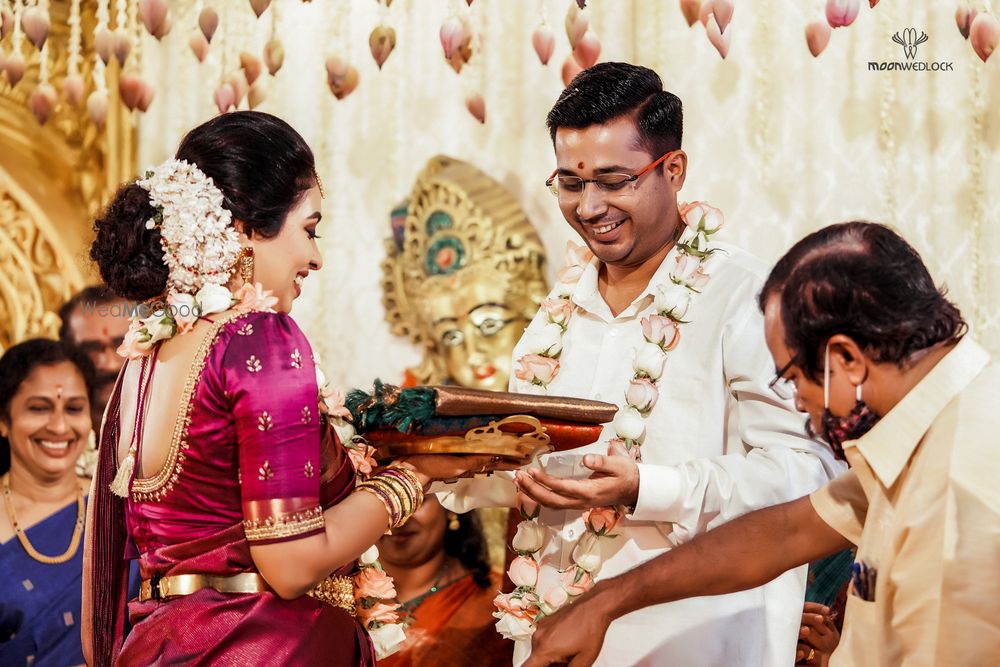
[{"x": 282, "y": 263}]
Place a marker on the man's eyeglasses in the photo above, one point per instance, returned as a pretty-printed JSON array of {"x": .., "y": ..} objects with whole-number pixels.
[
  {"x": 782, "y": 386},
  {"x": 570, "y": 187}
]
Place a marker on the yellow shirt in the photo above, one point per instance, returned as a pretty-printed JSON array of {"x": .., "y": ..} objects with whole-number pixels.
[{"x": 922, "y": 502}]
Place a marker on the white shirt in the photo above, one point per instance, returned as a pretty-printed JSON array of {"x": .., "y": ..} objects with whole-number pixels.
[{"x": 718, "y": 444}]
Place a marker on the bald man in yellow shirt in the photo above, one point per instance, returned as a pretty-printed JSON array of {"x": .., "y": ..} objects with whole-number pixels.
[{"x": 883, "y": 365}]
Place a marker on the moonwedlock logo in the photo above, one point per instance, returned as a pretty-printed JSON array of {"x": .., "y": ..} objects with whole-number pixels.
[{"x": 910, "y": 40}]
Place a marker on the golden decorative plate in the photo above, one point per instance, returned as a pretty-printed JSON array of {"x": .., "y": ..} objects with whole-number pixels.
[{"x": 512, "y": 445}]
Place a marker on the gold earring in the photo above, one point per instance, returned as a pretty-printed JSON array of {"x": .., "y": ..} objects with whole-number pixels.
[
  {"x": 246, "y": 265},
  {"x": 453, "y": 521}
]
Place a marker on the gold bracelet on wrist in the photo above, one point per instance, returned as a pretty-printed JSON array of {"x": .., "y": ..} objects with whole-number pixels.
[
  {"x": 417, "y": 487},
  {"x": 387, "y": 498},
  {"x": 399, "y": 488}
]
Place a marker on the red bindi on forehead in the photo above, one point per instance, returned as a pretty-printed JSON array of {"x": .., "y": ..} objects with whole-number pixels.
[{"x": 579, "y": 165}]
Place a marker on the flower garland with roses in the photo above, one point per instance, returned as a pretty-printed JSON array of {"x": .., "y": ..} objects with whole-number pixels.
[
  {"x": 518, "y": 611},
  {"x": 374, "y": 591}
]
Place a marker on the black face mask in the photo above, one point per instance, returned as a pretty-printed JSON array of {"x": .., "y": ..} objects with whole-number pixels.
[{"x": 838, "y": 430}]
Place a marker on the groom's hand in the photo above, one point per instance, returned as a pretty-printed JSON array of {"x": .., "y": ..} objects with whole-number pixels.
[
  {"x": 615, "y": 481},
  {"x": 573, "y": 635}
]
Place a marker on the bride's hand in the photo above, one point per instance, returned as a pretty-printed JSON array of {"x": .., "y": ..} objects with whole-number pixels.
[{"x": 445, "y": 467}]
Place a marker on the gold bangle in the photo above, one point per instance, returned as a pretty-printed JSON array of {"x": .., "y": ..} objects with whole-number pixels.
[
  {"x": 399, "y": 504},
  {"x": 399, "y": 488},
  {"x": 417, "y": 487},
  {"x": 407, "y": 481},
  {"x": 387, "y": 499}
]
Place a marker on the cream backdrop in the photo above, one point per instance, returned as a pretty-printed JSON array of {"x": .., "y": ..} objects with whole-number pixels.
[{"x": 782, "y": 142}]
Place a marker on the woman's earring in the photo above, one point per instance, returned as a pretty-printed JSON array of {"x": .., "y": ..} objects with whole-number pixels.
[
  {"x": 453, "y": 521},
  {"x": 246, "y": 265}
]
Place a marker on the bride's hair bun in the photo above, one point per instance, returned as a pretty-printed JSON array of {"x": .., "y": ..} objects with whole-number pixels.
[
  {"x": 262, "y": 166},
  {"x": 127, "y": 254}
]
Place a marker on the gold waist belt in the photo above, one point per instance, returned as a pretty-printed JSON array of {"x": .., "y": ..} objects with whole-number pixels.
[
  {"x": 335, "y": 591},
  {"x": 161, "y": 588}
]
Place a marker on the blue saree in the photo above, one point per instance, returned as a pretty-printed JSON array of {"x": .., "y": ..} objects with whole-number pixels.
[{"x": 39, "y": 603}]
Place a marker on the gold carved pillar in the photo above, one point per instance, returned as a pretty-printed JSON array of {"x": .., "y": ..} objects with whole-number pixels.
[{"x": 53, "y": 180}]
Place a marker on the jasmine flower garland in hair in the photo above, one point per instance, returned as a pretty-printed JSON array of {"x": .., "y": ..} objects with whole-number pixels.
[
  {"x": 200, "y": 248},
  {"x": 200, "y": 244}
]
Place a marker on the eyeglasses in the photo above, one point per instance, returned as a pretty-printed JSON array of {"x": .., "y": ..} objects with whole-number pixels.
[
  {"x": 571, "y": 187},
  {"x": 782, "y": 386}
]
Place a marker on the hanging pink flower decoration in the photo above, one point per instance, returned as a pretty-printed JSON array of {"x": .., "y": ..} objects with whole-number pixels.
[
  {"x": 274, "y": 56},
  {"x": 476, "y": 106},
  {"x": 381, "y": 42},
  {"x": 35, "y": 24},
  {"x": 42, "y": 102},
  {"x": 720, "y": 40},
  {"x": 259, "y": 6},
  {"x": 690, "y": 9},
  {"x": 817, "y": 37},
  {"x": 130, "y": 90},
  {"x": 73, "y": 88},
  {"x": 841, "y": 13},
  {"x": 153, "y": 14},
  {"x": 97, "y": 107},
  {"x": 576, "y": 25},
  {"x": 452, "y": 34},
  {"x": 544, "y": 42},
  {"x": 984, "y": 34},
  {"x": 587, "y": 50},
  {"x": 224, "y": 97},
  {"x": 570, "y": 69},
  {"x": 147, "y": 92},
  {"x": 963, "y": 18},
  {"x": 199, "y": 46},
  {"x": 208, "y": 21},
  {"x": 723, "y": 11}
]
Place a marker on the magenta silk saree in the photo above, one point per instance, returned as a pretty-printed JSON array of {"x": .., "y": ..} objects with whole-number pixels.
[{"x": 251, "y": 461}]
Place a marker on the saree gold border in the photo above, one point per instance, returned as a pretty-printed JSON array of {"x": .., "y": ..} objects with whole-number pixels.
[
  {"x": 155, "y": 487},
  {"x": 262, "y": 510},
  {"x": 288, "y": 525}
]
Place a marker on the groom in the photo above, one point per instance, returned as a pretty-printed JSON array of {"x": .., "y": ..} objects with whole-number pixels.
[{"x": 659, "y": 318}]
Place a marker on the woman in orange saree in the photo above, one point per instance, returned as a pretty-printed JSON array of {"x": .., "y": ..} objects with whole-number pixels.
[{"x": 440, "y": 566}]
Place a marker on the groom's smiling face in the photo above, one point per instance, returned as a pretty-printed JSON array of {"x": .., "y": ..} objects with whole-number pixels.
[{"x": 623, "y": 227}]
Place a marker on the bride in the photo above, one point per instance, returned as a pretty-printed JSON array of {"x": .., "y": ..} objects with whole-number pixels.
[{"x": 219, "y": 470}]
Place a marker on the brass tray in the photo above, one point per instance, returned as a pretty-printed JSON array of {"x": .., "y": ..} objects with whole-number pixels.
[{"x": 512, "y": 445}]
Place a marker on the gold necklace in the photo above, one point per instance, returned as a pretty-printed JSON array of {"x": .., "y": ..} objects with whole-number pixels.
[{"x": 23, "y": 539}]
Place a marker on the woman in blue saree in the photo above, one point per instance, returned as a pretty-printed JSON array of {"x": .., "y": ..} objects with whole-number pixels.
[{"x": 45, "y": 391}]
